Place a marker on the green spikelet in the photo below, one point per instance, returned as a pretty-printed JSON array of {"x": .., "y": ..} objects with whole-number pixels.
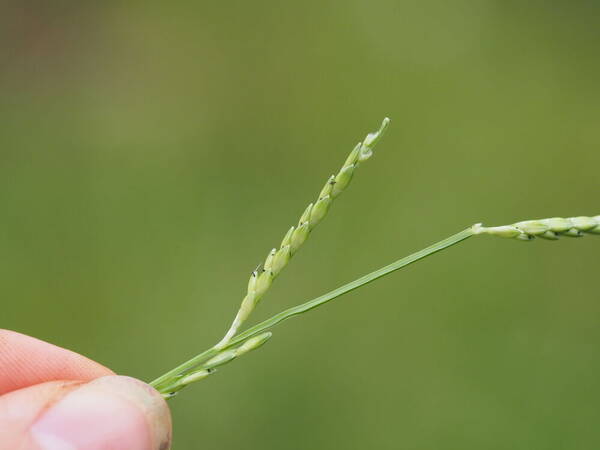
[
  {"x": 253, "y": 343},
  {"x": 319, "y": 211},
  {"x": 280, "y": 259}
]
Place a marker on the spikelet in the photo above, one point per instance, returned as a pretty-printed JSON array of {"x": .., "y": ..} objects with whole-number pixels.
[{"x": 179, "y": 382}]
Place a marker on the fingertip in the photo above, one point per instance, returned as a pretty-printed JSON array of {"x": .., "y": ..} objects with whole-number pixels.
[
  {"x": 114, "y": 412},
  {"x": 147, "y": 399}
]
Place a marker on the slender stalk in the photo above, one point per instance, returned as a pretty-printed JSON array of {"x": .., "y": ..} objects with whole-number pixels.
[
  {"x": 165, "y": 381},
  {"x": 362, "y": 281}
]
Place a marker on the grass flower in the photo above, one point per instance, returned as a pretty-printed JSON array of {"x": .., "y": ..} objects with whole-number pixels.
[{"x": 235, "y": 344}]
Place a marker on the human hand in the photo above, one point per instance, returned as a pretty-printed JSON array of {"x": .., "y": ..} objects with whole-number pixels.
[{"x": 54, "y": 399}]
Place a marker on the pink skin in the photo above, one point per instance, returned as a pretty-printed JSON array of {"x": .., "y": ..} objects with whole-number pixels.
[{"x": 54, "y": 399}]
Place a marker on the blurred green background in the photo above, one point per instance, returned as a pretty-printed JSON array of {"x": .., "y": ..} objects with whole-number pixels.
[{"x": 151, "y": 153}]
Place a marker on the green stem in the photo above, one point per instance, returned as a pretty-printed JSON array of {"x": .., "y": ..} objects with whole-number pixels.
[
  {"x": 325, "y": 298},
  {"x": 305, "y": 307}
]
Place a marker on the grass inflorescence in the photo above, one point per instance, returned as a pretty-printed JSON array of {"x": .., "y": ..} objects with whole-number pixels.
[
  {"x": 261, "y": 278},
  {"x": 550, "y": 229},
  {"x": 235, "y": 344}
]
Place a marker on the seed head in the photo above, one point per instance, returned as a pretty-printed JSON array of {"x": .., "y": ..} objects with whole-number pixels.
[
  {"x": 550, "y": 229},
  {"x": 276, "y": 260}
]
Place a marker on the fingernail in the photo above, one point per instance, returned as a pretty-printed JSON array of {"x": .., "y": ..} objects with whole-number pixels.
[{"x": 115, "y": 412}]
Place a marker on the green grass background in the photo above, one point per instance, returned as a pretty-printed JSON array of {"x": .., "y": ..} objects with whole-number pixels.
[{"x": 151, "y": 153}]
